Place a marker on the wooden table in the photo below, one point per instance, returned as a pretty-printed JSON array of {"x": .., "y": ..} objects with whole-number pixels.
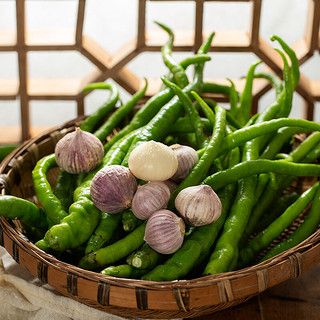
[{"x": 297, "y": 299}]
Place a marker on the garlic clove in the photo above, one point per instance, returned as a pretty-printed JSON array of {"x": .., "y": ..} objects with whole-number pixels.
[
  {"x": 198, "y": 205},
  {"x": 153, "y": 161},
  {"x": 164, "y": 232},
  {"x": 112, "y": 189},
  {"x": 79, "y": 152},
  {"x": 149, "y": 198},
  {"x": 187, "y": 159}
]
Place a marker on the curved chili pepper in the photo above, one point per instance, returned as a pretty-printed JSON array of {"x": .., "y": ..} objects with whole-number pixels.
[
  {"x": 247, "y": 168},
  {"x": 124, "y": 271},
  {"x": 90, "y": 122},
  {"x": 270, "y": 193},
  {"x": 245, "y": 104},
  {"x": 102, "y": 235},
  {"x": 78, "y": 226},
  {"x": 191, "y": 112},
  {"x": 177, "y": 70},
  {"x": 13, "y": 207},
  {"x": 265, "y": 237},
  {"x": 117, "y": 116},
  {"x": 302, "y": 232},
  {"x": 51, "y": 204},
  {"x": 114, "y": 252}
]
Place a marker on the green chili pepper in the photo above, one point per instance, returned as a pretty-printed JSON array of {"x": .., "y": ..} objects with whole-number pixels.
[
  {"x": 225, "y": 254},
  {"x": 78, "y": 226},
  {"x": 204, "y": 107},
  {"x": 130, "y": 221},
  {"x": 191, "y": 112},
  {"x": 143, "y": 116},
  {"x": 51, "y": 204},
  {"x": 90, "y": 122},
  {"x": 197, "y": 58},
  {"x": 177, "y": 70},
  {"x": 13, "y": 207},
  {"x": 245, "y": 134},
  {"x": 64, "y": 187},
  {"x": 117, "y": 116},
  {"x": 271, "y": 193},
  {"x": 247, "y": 168},
  {"x": 280, "y": 138},
  {"x": 234, "y": 98},
  {"x": 274, "y": 80},
  {"x": 245, "y": 104},
  {"x": 184, "y": 125},
  {"x": 103, "y": 234},
  {"x": 6, "y": 149},
  {"x": 124, "y": 271},
  {"x": 302, "y": 232},
  {"x": 275, "y": 210},
  {"x": 227, "y": 245},
  {"x": 265, "y": 237},
  {"x": 286, "y": 107},
  {"x": 154, "y": 104},
  {"x": 210, "y": 87},
  {"x": 114, "y": 252},
  {"x": 294, "y": 60},
  {"x": 144, "y": 258}
]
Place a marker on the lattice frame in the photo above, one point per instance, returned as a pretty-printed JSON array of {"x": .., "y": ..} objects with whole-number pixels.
[{"x": 114, "y": 66}]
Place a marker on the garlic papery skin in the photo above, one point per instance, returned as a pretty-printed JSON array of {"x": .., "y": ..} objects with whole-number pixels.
[
  {"x": 149, "y": 198},
  {"x": 79, "y": 152},
  {"x": 198, "y": 205},
  {"x": 153, "y": 161},
  {"x": 164, "y": 231},
  {"x": 112, "y": 188},
  {"x": 171, "y": 185},
  {"x": 187, "y": 159}
]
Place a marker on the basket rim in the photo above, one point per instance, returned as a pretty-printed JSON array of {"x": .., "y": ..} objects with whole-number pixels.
[
  {"x": 295, "y": 255},
  {"x": 203, "y": 281}
]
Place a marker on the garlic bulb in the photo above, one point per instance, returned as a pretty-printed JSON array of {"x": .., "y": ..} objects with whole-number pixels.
[
  {"x": 79, "y": 152},
  {"x": 198, "y": 205},
  {"x": 153, "y": 161},
  {"x": 171, "y": 185},
  {"x": 112, "y": 189},
  {"x": 164, "y": 232},
  {"x": 149, "y": 198},
  {"x": 187, "y": 159}
]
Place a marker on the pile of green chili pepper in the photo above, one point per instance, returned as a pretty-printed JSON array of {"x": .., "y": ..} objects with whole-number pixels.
[{"x": 249, "y": 160}]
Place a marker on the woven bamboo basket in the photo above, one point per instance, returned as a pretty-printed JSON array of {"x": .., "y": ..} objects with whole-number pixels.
[{"x": 137, "y": 298}]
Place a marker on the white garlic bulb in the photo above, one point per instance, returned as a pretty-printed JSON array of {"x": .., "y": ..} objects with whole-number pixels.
[
  {"x": 153, "y": 161},
  {"x": 149, "y": 198},
  {"x": 164, "y": 232},
  {"x": 79, "y": 152},
  {"x": 198, "y": 205},
  {"x": 187, "y": 159}
]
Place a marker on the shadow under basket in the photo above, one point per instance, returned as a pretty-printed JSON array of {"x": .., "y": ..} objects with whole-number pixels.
[{"x": 136, "y": 298}]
